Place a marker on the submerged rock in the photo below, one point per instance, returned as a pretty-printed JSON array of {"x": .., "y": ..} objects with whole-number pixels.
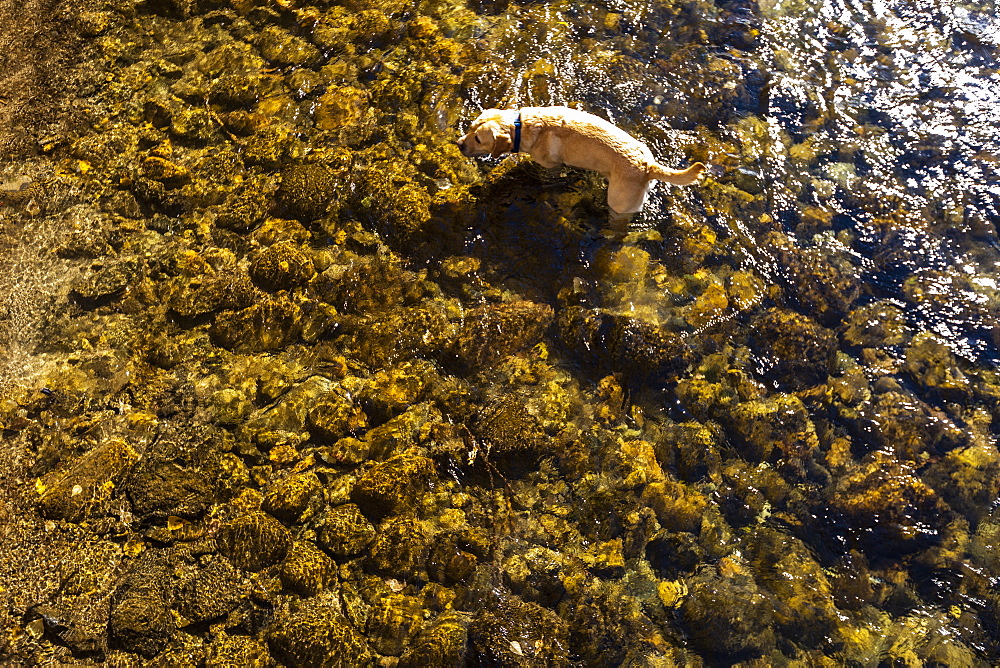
[
  {"x": 254, "y": 541},
  {"x": 510, "y": 632},
  {"x": 344, "y": 531},
  {"x": 317, "y": 634},
  {"x": 83, "y": 488}
]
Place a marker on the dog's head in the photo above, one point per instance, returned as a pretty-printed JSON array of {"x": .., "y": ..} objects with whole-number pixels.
[{"x": 489, "y": 134}]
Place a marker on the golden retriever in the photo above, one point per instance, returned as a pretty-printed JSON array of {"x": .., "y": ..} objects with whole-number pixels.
[{"x": 555, "y": 136}]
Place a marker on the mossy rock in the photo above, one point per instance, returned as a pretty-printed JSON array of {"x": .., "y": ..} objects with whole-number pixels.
[
  {"x": 393, "y": 486},
  {"x": 307, "y": 570},
  {"x": 797, "y": 351},
  {"x": 875, "y": 325},
  {"x": 246, "y": 205},
  {"x": 344, "y": 531},
  {"x": 236, "y": 90},
  {"x": 317, "y": 634},
  {"x": 727, "y": 619},
  {"x": 82, "y": 489},
  {"x": 393, "y": 621},
  {"x": 775, "y": 429},
  {"x": 105, "y": 282},
  {"x": 491, "y": 333},
  {"x": 443, "y": 645},
  {"x": 335, "y": 416},
  {"x": 210, "y": 592},
  {"x": 400, "y": 549},
  {"x": 141, "y": 623},
  {"x": 510, "y": 632},
  {"x": 282, "y": 266},
  {"x": 158, "y": 489},
  {"x": 268, "y": 325},
  {"x": 254, "y": 541},
  {"x": 312, "y": 190},
  {"x": 288, "y": 498},
  {"x": 515, "y": 441},
  {"x": 283, "y": 48}
]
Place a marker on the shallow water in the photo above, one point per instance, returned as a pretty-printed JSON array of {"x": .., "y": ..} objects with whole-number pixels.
[{"x": 286, "y": 378}]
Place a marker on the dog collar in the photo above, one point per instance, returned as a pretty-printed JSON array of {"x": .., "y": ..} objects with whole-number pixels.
[{"x": 517, "y": 135}]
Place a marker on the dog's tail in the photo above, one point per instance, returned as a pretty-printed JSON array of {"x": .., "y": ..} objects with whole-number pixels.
[{"x": 678, "y": 177}]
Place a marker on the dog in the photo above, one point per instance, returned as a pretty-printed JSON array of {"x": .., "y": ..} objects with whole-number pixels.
[{"x": 555, "y": 136}]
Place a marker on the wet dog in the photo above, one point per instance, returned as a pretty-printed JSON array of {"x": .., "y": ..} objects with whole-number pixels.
[{"x": 555, "y": 136}]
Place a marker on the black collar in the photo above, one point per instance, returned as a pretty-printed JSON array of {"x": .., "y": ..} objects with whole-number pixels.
[{"x": 517, "y": 135}]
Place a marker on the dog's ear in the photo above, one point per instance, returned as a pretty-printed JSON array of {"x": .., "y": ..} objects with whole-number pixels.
[{"x": 501, "y": 143}]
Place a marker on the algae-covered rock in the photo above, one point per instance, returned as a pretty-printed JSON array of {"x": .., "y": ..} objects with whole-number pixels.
[
  {"x": 75, "y": 493},
  {"x": 254, "y": 541},
  {"x": 344, "y": 531},
  {"x": 899, "y": 422},
  {"x": 139, "y": 620},
  {"x": 335, "y": 416},
  {"x": 887, "y": 508},
  {"x": 246, "y": 205},
  {"x": 798, "y": 352},
  {"x": 210, "y": 592},
  {"x": 282, "y": 266},
  {"x": 288, "y": 498},
  {"x": 492, "y": 332},
  {"x": 368, "y": 284},
  {"x": 306, "y": 569},
  {"x": 727, "y": 618},
  {"x": 400, "y": 549},
  {"x": 932, "y": 364},
  {"x": 777, "y": 428},
  {"x": 105, "y": 281},
  {"x": 393, "y": 486},
  {"x": 311, "y": 190},
  {"x": 394, "y": 620},
  {"x": 443, "y": 645},
  {"x": 282, "y": 48},
  {"x": 510, "y": 632},
  {"x": 875, "y": 325},
  {"x": 392, "y": 391},
  {"x": 271, "y": 324},
  {"x": 158, "y": 489},
  {"x": 453, "y": 558},
  {"x": 515, "y": 441},
  {"x": 227, "y": 650},
  {"x": 399, "y": 335},
  {"x": 317, "y": 634}
]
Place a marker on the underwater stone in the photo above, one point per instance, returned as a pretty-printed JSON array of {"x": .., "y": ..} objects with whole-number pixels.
[
  {"x": 335, "y": 416},
  {"x": 276, "y": 230},
  {"x": 515, "y": 440},
  {"x": 344, "y": 531},
  {"x": 105, "y": 281},
  {"x": 306, "y": 569},
  {"x": 451, "y": 560},
  {"x": 393, "y": 621},
  {"x": 876, "y": 325},
  {"x": 227, "y": 650},
  {"x": 80, "y": 490},
  {"x": 210, "y": 592},
  {"x": 886, "y": 508},
  {"x": 254, "y": 541},
  {"x": 799, "y": 352},
  {"x": 727, "y": 618},
  {"x": 271, "y": 324},
  {"x": 824, "y": 287},
  {"x": 777, "y": 428},
  {"x": 281, "y": 267},
  {"x": 390, "y": 201},
  {"x": 400, "y": 549},
  {"x": 510, "y": 632},
  {"x": 245, "y": 206},
  {"x": 141, "y": 622},
  {"x": 368, "y": 285},
  {"x": 932, "y": 364},
  {"x": 282, "y": 48},
  {"x": 442, "y": 645},
  {"x": 165, "y": 171},
  {"x": 317, "y": 634},
  {"x": 491, "y": 333},
  {"x": 288, "y": 498},
  {"x": 158, "y": 489},
  {"x": 190, "y": 123},
  {"x": 392, "y": 391},
  {"x": 393, "y": 486},
  {"x": 340, "y": 106},
  {"x": 310, "y": 191},
  {"x": 236, "y": 90}
]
